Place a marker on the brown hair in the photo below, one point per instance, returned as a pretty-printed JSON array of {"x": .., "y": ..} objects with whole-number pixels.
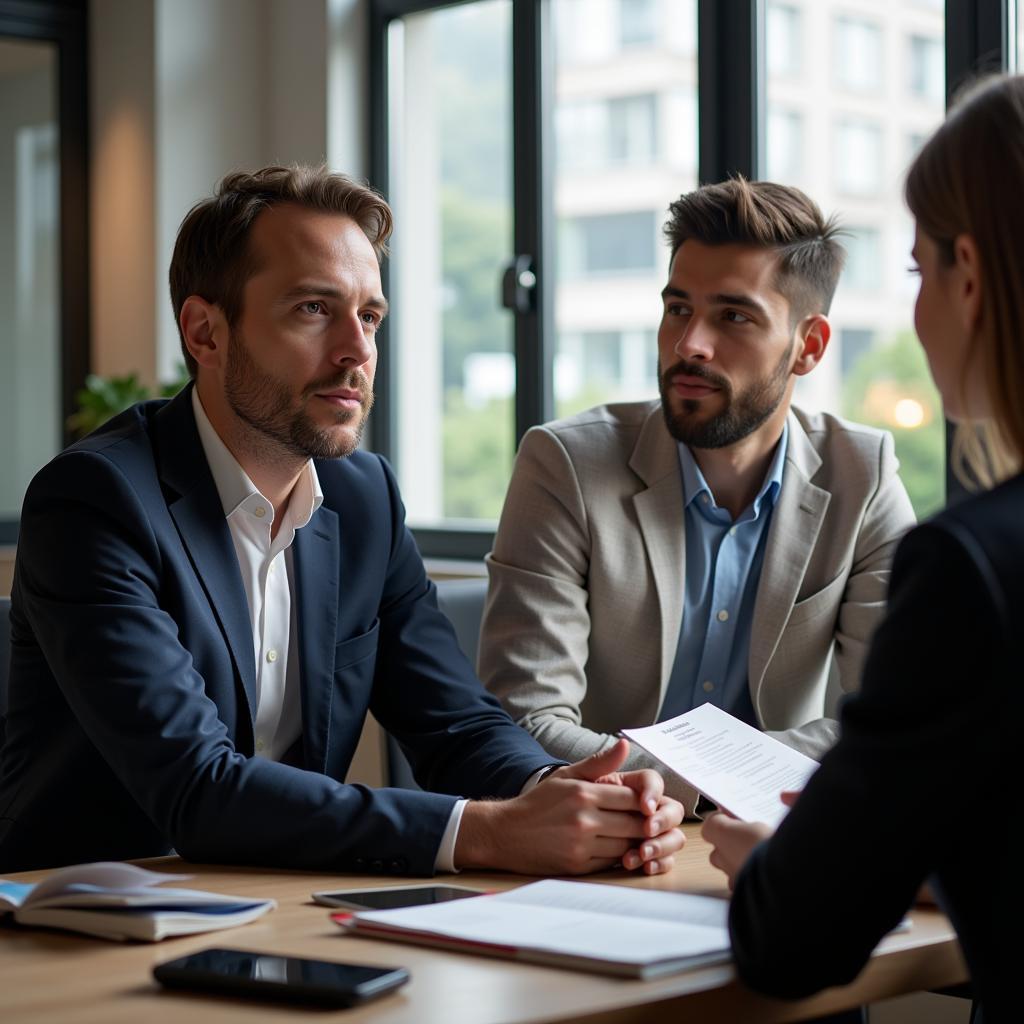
[
  {"x": 211, "y": 254},
  {"x": 966, "y": 180},
  {"x": 770, "y": 216}
]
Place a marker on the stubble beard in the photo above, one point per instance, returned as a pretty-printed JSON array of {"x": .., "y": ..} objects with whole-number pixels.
[
  {"x": 743, "y": 412},
  {"x": 266, "y": 405}
]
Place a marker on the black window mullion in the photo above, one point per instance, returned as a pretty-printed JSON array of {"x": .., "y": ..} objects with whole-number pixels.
[
  {"x": 978, "y": 41},
  {"x": 533, "y": 210},
  {"x": 730, "y": 88}
]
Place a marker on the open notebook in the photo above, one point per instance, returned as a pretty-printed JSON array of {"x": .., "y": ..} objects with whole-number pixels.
[
  {"x": 610, "y": 929},
  {"x": 122, "y": 901}
]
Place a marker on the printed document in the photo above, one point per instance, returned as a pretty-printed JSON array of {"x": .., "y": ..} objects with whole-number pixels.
[{"x": 734, "y": 765}]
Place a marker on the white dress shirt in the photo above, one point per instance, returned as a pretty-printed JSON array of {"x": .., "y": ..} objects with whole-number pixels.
[{"x": 268, "y": 578}]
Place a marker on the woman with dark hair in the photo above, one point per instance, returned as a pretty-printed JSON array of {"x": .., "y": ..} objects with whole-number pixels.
[{"x": 925, "y": 781}]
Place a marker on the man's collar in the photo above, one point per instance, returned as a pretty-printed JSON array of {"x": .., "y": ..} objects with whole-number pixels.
[
  {"x": 694, "y": 484},
  {"x": 233, "y": 483}
]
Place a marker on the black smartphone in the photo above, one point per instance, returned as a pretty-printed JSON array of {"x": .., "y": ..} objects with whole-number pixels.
[
  {"x": 393, "y": 898},
  {"x": 268, "y": 976}
]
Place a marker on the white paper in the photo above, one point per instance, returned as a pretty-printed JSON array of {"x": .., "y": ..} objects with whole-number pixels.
[{"x": 734, "y": 765}]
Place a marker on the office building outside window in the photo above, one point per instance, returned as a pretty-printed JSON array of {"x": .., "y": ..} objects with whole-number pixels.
[
  {"x": 783, "y": 39},
  {"x": 857, "y": 54},
  {"x": 451, "y": 137},
  {"x": 861, "y": 127},
  {"x": 611, "y": 261},
  {"x": 638, "y": 22},
  {"x": 858, "y": 156}
]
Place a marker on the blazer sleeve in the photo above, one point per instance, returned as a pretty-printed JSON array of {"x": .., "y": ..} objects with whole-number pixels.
[
  {"x": 887, "y": 517},
  {"x": 535, "y": 634},
  {"x": 458, "y": 738},
  {"x": 874, "y": 821},
  {"x": 90, "y": 580}
]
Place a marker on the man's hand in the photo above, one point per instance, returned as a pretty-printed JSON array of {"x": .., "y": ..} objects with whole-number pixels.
[{"x": 583, "y": 817}]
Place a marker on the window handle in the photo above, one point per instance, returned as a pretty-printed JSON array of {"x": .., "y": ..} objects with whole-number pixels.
[{"x": 518, "y": 283}]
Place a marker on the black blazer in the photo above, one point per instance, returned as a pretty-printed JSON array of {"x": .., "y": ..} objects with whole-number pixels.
[
  {"x": 132, "y": 687},
  {"x": 925, "y": 781}
]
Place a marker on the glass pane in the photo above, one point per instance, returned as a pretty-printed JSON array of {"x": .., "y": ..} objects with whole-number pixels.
[
  {"x": 450, "y": 126},
  {"x": 29, "y": 259},
  {"x": 847, "y": 142},
  {"x": 625, "y": 147},
  {"x": 1017, "y": 36}
]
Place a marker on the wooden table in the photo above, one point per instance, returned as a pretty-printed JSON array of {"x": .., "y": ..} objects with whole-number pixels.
[{"x": 55, "y": 976}]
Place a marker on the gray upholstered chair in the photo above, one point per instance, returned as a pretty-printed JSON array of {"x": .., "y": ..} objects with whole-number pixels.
[{"x": 463, "y": 602}]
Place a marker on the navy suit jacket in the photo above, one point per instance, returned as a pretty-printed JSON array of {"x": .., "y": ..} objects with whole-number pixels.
[
  {"x": 132, "y": 688},
  {"x": 924, "y": 782}
]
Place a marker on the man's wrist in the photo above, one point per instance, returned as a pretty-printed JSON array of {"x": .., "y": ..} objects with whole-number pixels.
[
  {"x": 538, "y": 777},
  {"x": 474, "y": 845}
]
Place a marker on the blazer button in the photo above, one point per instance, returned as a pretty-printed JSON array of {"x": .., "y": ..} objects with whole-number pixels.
[
  {"x": 377, "y": 865},
  {"x": 397, "y": 865},
  {"x": 360, "y": 862}
]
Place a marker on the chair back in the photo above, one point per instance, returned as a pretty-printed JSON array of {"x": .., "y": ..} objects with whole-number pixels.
[{"x": 462, "y": 601}]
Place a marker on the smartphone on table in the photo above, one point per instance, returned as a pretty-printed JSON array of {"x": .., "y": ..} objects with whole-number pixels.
[
  {"x": 393, "y": 898},
  {"x": 269, "y": 976}
]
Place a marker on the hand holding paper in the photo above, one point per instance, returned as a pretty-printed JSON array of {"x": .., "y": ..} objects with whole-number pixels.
[{"x": 734, "y": 765}]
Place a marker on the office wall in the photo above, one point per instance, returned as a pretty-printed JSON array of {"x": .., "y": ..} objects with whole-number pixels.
[{"x": 183, "y": 91}]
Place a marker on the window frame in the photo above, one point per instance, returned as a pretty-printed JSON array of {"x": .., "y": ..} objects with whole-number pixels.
[
  {"x": 731, "y": 99},
  {"x": 64, "y": 23}
]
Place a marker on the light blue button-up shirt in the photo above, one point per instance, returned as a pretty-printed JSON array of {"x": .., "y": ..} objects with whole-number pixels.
[{"x": 723, "y": 567}]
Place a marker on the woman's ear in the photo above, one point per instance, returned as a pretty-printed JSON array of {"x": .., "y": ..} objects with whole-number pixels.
[{"x": 967, "y": 283}]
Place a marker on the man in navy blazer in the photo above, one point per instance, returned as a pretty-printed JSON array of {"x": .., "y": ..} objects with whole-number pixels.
[{"x": 212, "y": 591}]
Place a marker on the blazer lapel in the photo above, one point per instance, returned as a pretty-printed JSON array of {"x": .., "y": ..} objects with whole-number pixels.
[
  {"x": 659, "y": 511},
  {"x": 199, "y": 518},
  {"x": 317, "y": 551},
  {"x": 796, "y": 522}
]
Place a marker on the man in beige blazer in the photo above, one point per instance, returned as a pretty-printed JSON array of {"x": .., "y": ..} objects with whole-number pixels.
[{"x": 604, "y": 609}]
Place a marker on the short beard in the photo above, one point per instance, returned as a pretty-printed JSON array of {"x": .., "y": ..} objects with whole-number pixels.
[
  {"x": 266, "y": 404},
  {"x": 742, "y": 415}
]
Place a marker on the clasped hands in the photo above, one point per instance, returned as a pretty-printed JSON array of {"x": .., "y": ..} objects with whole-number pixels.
[{"x": 582, "y": 817}]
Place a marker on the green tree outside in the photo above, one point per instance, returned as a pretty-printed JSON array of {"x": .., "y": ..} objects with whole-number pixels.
[{"x": 882, "y": 375}]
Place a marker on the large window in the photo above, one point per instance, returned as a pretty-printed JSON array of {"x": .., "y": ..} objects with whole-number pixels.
[
  {"x": 450, "y": 131},
  {"x": 610, "y": 258},
  {"x": 874, "y": 371},
  {"x": 44, "y": 247},
  {"x": 531, "y": 150}
]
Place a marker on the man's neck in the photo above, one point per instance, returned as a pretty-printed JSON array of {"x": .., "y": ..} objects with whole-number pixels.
[
  {"x": 735, "y": 473},
  {"x": 273, "y": 470}
]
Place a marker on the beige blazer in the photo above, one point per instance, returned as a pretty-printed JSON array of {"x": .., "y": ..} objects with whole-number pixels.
[{"x": 585, "y": 601}]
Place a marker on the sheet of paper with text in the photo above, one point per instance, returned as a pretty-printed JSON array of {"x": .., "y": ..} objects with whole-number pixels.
[{"x": 731, "y": 763}]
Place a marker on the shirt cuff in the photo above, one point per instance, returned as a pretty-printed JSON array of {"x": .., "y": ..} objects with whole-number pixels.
[
  {"x": 445, "y": 859},
  {"x": 538, "y": 776}
]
